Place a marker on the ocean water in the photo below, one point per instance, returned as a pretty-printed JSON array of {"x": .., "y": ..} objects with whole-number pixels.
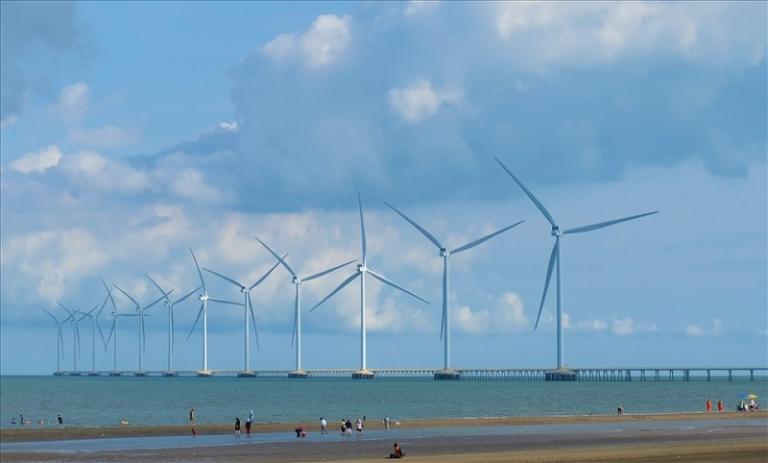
[{"x": 100, "y": 401}]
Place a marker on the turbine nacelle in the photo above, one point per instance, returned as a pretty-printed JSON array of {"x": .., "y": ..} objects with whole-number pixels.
[
  {"x": 556, "y": 231},
  {"x": 362, "y": 268},
  {"x": 204, "y": 297},
  {"x": 444, "y": 252},
  {"x": 296, "y": 280}
]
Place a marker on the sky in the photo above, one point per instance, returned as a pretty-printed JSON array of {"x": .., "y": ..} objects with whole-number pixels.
[{"x": 133, "y": 132}]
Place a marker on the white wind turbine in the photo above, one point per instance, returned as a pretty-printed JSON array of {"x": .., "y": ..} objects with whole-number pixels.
[
  {"x": 248, "y": 306},
  {"x": 59, "y": 338},
  {"x": 94, "y": 318},
  {"x": 562, "y": 372},
  {"x": 140, "y": 310},
  {"x": 445, "y": 324},
  {"x": 116, "y": 314},
  {"x": 297, "y": 281},
  {"x": 362, "y": 270},
  {"x": 204, "y": 298},
  {"x": 75, "y": 334},
  {"x": 171, "y": 325}
]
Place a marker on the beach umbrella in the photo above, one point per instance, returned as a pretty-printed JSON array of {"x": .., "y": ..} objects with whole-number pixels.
[{"x": 750, "y": 397}]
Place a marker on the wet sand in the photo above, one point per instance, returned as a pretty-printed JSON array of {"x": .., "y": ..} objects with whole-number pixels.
[
  {"x": 731, "y": 443},
  {"x": 32, "y": 433}
]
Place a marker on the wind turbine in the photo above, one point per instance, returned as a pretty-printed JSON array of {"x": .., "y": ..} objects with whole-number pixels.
[
  {"x": 362, "y": 270},
  {"x": 113, "y": 331},
  {"x": 95, "y": 324},
  {"x": 445, "y": 324},
  {"x": 75, "y": 336},
  {"x": 248, "y": 306},
  {"x": 140, "y": 310},
  {"x": 59, "y": 339},
  {"x": 204, "y": 298},
  {"x": 297, "y": 281},
  {"x": 171, "y": 328},
  {"x": 562, "y": 372}
]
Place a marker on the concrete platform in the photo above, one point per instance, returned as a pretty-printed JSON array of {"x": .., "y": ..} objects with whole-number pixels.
[
  {"x": 447, "y": 375},
  {"x": 140, "y": 373},
  {"x": 93, "y": 373},
  {"x": 246, "y": 374},
  {"x": 204, "y": 373},
  {"x": 298, "y": 374},
  {"x": 560, "y": 374},
  {"x": 170, "y": 373},
  {"x": 363, "y": 374},
  {"x": 115, "y": 373}
]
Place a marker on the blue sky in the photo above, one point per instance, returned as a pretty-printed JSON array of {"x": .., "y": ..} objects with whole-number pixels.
[{"x": 133, "y": 132}]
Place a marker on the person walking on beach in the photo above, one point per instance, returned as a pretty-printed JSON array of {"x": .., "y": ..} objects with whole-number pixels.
[
  {"x": 709, "y": 405},
  {"x": 237, "y": 426},
  {"x": 323, "y": 426},
  {"x": 386, "y": 423},
  {"x": 59, "y": 419},
  {"x": 720, "y": 406},
  {"x": 359, "y": 426},
  {"x": 192, "y": 421},
  {"x": 348, "y": 427},
  {"x": 248, "y": 422}
]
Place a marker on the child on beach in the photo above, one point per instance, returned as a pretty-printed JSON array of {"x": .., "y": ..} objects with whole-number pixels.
[{"x": 397, "y": 452}]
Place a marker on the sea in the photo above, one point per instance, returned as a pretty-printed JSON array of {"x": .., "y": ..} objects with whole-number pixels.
[{"x": 106, "y": 401}]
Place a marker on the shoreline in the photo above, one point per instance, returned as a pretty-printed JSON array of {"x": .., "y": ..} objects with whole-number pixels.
[{"x": 33, "y": 434}]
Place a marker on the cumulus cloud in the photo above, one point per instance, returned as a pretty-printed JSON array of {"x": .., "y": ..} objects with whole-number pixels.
[
  {"x": 94, "y": 170},
  {"x": 578, "y": 33},
  {"x": 416, "y": 7},
  {"x": 505, "y": 314},
  {"x": 697, "y": 330},
  {"x": 322, "y": 44},
  {"x": 72, "y": 103},
  {"x": 38, "y": 161},
  {"x": 419, "y": 100},
  {"x": 190, "y": 184}
]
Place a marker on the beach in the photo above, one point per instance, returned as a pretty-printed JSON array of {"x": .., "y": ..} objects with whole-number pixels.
[{"x": 728, "y": 436}]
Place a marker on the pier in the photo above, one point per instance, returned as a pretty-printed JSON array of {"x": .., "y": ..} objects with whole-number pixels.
[{"x": 494, "y": 374}]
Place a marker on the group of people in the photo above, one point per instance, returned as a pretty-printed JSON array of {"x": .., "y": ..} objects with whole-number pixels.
[
  {"x": 720, "y": 406},
  {"x": 346, "y": 426},
  {"x": 749, "y": 406},
  {"x": 248, "y": 422},
  {"x": 22, "y": 421}
]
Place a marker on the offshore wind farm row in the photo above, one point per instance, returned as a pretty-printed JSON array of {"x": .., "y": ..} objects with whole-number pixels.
[{"x": 166, "y": 296}]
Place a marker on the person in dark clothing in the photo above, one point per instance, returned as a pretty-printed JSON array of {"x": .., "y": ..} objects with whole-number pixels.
[
  {"x": 397, "y": 452},
  {"x": 237, "y": 426}
]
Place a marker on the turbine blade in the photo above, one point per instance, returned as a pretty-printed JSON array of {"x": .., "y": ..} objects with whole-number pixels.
[
  {"x": 253, "y": 321},
  {"x": 109, "y": 294},
  {"x": 555, "y": 253},
  {"x": 445, "y": 299},
  {"x": 101, "y": 333},
  {"x": 338, "y": 288},
  {"x": 111, "y": 331},
  {"x": 70, "y": 312},
  {"x": 225, "y": 277},
  {"x": 442, "y": 326},
  {"x": 158, "y": 287},
  {"x": 199, "y": 312},
  {"x": 293, "y": 331},
  {"x": 77, "y": 341},
  {"x": 173, "y": 328},
  {"x": 199, "y": 273},
  {"x": 282, "y": 261},
  {"x": 385, "y": 280},
  {"x": 143, "y": 333},
  {"x": 538, "y": 204},
  {"x": 269, "y": 272},
  {"x": 326, "y": 272},
  {"x": 221, "y": 301},
  {"x": 362, "y": 230},
  {"x": 183, "y": 298},
  {"x": 417, "y": 227},
  {"x": 128, "y": 296},
  {"x": 597, "y": 226},
  {"x": 153, "y": 303},
  {"x": 50, "y": 315},
  {"x": 103, "y": 304},
  {"x": 484, "y": 239}
]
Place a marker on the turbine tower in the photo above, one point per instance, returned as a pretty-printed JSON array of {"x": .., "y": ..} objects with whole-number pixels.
[
  {"x": 59, "y": 339},
  {"x": 95, "y": 324},
  {"x": 75, "y": 336},
  {"x": 171, "y": 326},
  {"x": 297, "y": 281},
  {"x": 562, "y": 372},
  {"x": 204, "y": 298},
  {"x": 116, "y": 314},
  {"x": 445, "y": 324},
  {"x": 142, "y": 333},
  {"x": 248, "y": 306},
  {"x": 362, "y": 270}
]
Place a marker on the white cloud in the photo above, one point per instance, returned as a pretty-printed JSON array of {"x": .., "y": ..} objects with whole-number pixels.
[
  {"x": 697, "y": 330},
  {"x": 103, "y": 137},
  {"x": 577, "y": 33},
  {"x": 505, "y": 314},
  {"x": 38, "y": 161},
  {"x": 95, "y": 170},
  {"x": 228, "y": 126},
  {"x": 419, "y": 100},
  {"x": 190, "y": 184},
  {"x": 415, "y": 7},
  {"x": 72, "y": 103},
  {"x": 322, "y": 44}
]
